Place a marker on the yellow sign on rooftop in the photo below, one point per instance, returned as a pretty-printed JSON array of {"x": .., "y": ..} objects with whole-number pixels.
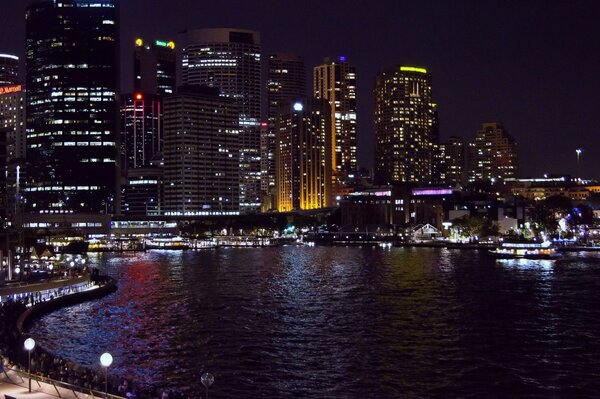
[{"x": 413, "y": 69}]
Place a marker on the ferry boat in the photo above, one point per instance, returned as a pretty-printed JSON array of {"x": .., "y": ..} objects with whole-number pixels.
[
  {"x": 525, "y": 250},
  {"x": 176, "y": 243}
]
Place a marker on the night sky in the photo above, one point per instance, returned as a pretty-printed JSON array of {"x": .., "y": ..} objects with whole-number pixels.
[{"x": 533, "y": 65}]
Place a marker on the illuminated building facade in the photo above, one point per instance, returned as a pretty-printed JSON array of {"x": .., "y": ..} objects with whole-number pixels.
[
  {"x": 492, "y": 154},
  {"x": 404, "y": 125},
  {"x": 12, "y": 118},
  {"x": 286, "y": 80},
  {"x": 335, "y": 81},
  {"x": 154, "y": 67},
  {"x": 141, "y": 134},
  {"x": 303, "y": 156},
  {"x": 9, "y": 69},
  {"x": 449, "y": 162},
  {"x": 72, "y": 83},
  {"x": 201, "y": 163},
  {"x": 230, "y": 60}
]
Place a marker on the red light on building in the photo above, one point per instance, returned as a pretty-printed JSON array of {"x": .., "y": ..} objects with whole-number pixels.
[
  {"x": 138, "y": 96},
  {"x": 264, "y": 124}
]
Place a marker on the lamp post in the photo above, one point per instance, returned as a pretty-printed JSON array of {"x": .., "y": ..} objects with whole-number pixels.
[
  {"x": 578, "y": 152},
  {"x": 106, "y": 360},
  {"x": 207, "y": 380},
  {"x": 29, "y": 345}
]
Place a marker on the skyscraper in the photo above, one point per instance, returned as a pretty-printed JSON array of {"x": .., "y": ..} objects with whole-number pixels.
[
  {"x": 492, "y": 154},
  {"x": 303, "y": 156},
  {"x": 12, "y": 107},
  {"x": 286, "y": 79},
  {"x": 404, "y": 118},
  {"x": 9, "y": 69},
  {"x": 141, "y": 133},
  {"x": 72, "y": 82},
  {"x": 229, "y": 59},
  {"x": 449, "y": 162},
  {"x": 154, "y": 67},
  {"x": 335, "y": 81},
  {"x": 201, "y": 172}
]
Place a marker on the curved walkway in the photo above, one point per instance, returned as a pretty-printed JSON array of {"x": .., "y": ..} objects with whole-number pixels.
[{"x": 14, "y": 383}]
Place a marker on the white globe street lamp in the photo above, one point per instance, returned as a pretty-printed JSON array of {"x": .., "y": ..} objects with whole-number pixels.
[
  {"x": 207, "y": 380},
  {"x": 29, "y": 345},
  {"x": 106, "y": 360}
]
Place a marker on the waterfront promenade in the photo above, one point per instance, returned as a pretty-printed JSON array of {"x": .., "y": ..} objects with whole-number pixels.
[
  {"x": 15, "y": 384},
  {"x": 49, "y": 375}
]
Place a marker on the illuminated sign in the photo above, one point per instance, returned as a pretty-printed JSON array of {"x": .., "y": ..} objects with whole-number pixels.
[
  {"x": 298, "y": 107},
  {"x": 413, "y": 69},
  {"x": 264, "y": 124},
  {"x": 11, "y": 89},
  {"x": 161, "y": 43},
  {"x": 432, "y": 191},
  {"x": 139, "y": 42},
  {"x": 138, "y": 96},
  {"x": 342, "y": 58}
]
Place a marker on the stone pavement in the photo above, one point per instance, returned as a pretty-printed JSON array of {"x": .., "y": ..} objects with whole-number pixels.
[{"x": 15, "y": 384}]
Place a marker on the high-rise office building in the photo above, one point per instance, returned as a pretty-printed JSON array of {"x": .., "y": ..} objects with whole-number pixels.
[
  {"x": 303, "y": 156},
  {"x": 492, "y": 154},
  {"x": 201, "y": 170},
  {"x": 230, "y": 60},
  {"x": 141, "y": 133},
  {"x": 286, "y": 80},
  {"x": 72, "y": 83},
  {"x": 335, "y": 81},
  {"x": 449, "y": 162},
  {"x": 12, "y": 118},
  {"x": 154, "y": 67},
  {"x": 9, "y": 69},
  {"x": 404, "y": 118}
]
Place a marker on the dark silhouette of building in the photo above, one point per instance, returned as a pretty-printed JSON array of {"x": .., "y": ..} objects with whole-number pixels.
[
  {"x": 72, "y": 84},
  {"x": 154, "y": 66},
  {"x": 492, "y": 154}
]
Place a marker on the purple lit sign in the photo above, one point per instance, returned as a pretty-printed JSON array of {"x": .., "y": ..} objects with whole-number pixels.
[
  {"x": 342, "y": 58},
  {"x": 432, "y": 191}
]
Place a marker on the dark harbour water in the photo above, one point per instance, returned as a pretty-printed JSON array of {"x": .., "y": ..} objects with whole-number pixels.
[{"x": 323, "y": 322}]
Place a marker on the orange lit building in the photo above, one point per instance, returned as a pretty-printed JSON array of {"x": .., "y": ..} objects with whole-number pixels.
[{"x": 303, "y": 155}]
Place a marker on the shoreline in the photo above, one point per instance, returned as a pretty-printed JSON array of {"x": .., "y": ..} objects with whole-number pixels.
[{"x": 22, "y": 322}]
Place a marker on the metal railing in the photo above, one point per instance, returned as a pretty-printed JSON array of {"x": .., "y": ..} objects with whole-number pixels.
[{"x": 52, "y": 387}]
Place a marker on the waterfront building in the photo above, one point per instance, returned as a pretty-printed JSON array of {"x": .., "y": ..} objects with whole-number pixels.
[
  {"x": 142, "y": 191},
  {"x": 335, "y": 81},
  {"x": 230, "y": 60},
  {"x": 9, "y": 69},
  {"x": 72, "y": 82},
  {"x": 404, "y": 125},
  {"x": 492, "y": 154},
  {"x": 286, "y": 79},
  {"x": 303, "y": 156},
  {"x": 154, "y": 65},
  {"x": 201, "y": 163}
]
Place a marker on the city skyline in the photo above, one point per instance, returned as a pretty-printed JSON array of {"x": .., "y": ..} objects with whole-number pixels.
[{"x": 480, "y": 74}]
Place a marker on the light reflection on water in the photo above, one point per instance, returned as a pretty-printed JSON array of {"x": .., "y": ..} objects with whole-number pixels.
[{"x": 342, "y": 322}]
